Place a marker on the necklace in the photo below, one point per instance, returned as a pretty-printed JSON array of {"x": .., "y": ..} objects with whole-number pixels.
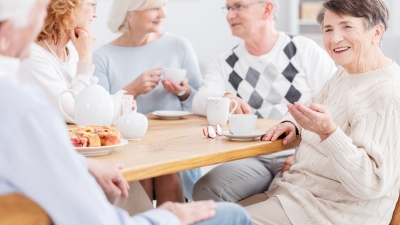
[{"x": 64, "y": 57}]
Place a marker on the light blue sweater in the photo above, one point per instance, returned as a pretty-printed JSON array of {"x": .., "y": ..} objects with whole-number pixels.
[{"x": 118, "y": 66}]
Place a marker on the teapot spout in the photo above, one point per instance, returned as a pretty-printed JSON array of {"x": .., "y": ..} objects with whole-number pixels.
[{"x": 117, "y": 101}]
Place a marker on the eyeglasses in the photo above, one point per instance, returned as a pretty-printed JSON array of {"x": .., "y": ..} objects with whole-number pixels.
[
  {"x": 212, "y": 132},
  {"x": 238, "y": 7},
  {"x": 94, "y": 4}
]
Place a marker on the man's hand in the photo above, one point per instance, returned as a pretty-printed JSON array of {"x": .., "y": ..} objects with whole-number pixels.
[
  {"x": 190, "y": 213},
  {"x": 109, "y": 177},
  {"x": 287, "y": 164},
  {"x": 242, "y": 107}
]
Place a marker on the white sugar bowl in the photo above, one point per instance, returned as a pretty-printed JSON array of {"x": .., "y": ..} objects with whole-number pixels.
[{"x": 132, "y": 126}]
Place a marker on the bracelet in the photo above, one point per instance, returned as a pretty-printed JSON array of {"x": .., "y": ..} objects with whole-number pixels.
[{"x": 182, "y": 93}]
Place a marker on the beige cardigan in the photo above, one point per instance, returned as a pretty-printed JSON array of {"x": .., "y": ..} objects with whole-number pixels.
[{"x": 352, "y": 176}]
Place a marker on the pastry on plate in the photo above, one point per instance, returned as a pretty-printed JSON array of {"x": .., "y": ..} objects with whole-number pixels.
[{"x": 94, "y": 136}]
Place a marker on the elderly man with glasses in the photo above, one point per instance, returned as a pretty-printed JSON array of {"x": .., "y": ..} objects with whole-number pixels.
[{"x": 267, "y": 70}]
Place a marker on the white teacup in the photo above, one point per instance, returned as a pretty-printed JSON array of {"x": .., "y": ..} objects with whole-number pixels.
[
  {"x": 240, "y": 124},
  {"x": 132, "y": 126},
  {"x": 218, "y": 110},
  {"x": 175, "y": 75}
]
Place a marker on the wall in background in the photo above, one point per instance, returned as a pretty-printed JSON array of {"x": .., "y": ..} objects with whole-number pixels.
[
  {"x": 391, "y": 40},
  {"x": 201, "y": 21},
  {"x": 204, "y": 24}
]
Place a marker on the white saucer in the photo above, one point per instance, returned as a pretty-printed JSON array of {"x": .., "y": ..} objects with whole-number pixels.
[
  {"x": 243, "y": 137},
  {"x": 170, "y": 115},
  {"x": 101, "y": 150}
]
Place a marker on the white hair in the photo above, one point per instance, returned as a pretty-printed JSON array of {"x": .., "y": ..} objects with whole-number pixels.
[
  {"x": 117, "y": 22},
  {"x": 16, "y": 10},
  {"x": 276, "y": 8}
]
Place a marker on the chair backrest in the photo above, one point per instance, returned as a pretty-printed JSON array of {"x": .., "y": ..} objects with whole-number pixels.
[
  {"x": 396, "y": 214},
  {"x": 16, "y": 209}
]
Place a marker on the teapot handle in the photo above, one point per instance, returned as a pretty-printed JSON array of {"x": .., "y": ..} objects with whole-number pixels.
[{"x": 60, "y": 106}]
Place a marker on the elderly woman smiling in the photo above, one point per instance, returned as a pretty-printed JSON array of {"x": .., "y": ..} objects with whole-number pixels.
[
  {"x": 347, "y": 166},
  {"x": 133, "y": 62}
]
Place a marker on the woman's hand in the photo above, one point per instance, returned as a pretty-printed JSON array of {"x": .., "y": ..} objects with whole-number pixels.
[
  {"x": 144, "y": 83},
  {"x": 242, "y": 107},
  {"x": 83, "y": 42},
  {"x": 175, "y": 88},
  {"x": 286, "y": 128},
  {"x": 190, "y": 213},
  {"x": 314, "y": 118},
  {"x": 287, "y": 164}
]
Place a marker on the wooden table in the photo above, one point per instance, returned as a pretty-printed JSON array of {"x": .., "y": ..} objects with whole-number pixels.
[
  {"x": 171, "y": 146},
  {"x": 168, "y": 147}
]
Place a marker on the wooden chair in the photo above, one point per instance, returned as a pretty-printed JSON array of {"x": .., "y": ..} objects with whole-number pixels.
[
  {"x": 16, "y": 209},
  {"x": 396, "y": 214}
]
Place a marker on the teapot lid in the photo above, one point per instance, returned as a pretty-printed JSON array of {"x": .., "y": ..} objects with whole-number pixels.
[
  {"x": 94, "y": 80},
  {"x": 94, "y": 87}
]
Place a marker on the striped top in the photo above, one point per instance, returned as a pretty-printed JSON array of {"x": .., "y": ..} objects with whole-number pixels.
[{"x": 352, "y": 176}]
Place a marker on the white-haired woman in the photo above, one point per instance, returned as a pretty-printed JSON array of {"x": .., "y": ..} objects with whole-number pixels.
[
  {"x": 133, "y": 62},
  {"x": 347, "y": 169}
]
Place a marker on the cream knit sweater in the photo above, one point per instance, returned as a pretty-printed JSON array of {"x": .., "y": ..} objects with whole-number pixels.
[{"x": 352, "y": 176}]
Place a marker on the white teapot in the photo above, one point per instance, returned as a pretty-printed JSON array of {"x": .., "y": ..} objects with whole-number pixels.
[{"x": 94, "y": 105}]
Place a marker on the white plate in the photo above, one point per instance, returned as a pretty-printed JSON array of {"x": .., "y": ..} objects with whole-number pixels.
[
  {"x": 243, "y": 137},
  {"x": 170, "y": 115},
  {"x": 101, "y": 150}
]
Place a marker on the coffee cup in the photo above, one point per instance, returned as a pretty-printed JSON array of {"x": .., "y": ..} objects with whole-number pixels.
[
  {"x": 174, "y": 75},
  {"x": 240, "y": 124},
  {"x": 218, "y": 110}
]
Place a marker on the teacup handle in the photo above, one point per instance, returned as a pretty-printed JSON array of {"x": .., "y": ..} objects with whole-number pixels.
[
  {"x": 60, "y": 106},
  {"x": 234, "y": 108}
]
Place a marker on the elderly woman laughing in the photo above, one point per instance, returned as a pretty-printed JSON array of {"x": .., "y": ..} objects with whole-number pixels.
[{"x": 348, "y": 161}]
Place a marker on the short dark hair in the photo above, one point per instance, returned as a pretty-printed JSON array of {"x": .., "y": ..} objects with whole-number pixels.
[{"x": 373, "y": 11}]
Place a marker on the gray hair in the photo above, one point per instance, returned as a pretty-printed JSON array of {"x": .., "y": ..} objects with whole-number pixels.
[
  {"x": 276, "y": 9},
  {"x": 120, "y": 8},
  {"x": 16, "y": 10},
  {"x": 373, "y": 12}
]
